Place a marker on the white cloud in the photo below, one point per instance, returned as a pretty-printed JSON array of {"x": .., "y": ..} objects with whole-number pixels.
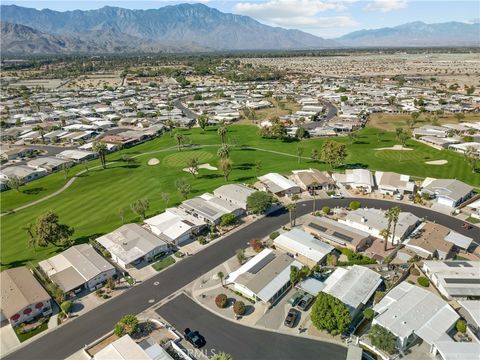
[
  {"x": 386, "y": 5},
  {"x": 296, "y": 13},
  {"x": 285, "y": 8},
  {"x": 307, "y": 22}
]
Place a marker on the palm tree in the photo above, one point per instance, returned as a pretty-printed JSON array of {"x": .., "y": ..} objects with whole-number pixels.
[
  {"x": 225, "y": 166},
  {"x": 41, "y": 131},
  {"x": 395, "y": 213},
  {"x": 222, "y": 131},
  {"x": 101, "y": 149},
  {"x": 385, "y": 233},
  {"x": 389, "y": 214},
  {"x": 314, "y": 194},
  {"x": 179, "y": 138},
  {"x": 295, "y": 198},
  {"x": 221, "y": 276},
  {"x": 291, "y": 209},
  {"x": 223, "y": 152}
]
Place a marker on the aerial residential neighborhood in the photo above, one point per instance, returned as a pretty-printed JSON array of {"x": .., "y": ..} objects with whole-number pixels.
[{"x": 271, "y": 179}]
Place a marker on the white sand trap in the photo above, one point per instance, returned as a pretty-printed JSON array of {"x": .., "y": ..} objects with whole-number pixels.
[
  {"x": 153, "y": 161},
  {"x": 202, "y": 166},
  {"x": 436, "y": 162},
  {"x": 396, "y": 147}
]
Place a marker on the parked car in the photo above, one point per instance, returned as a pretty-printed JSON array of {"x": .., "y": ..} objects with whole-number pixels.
[
  {"x": 336, "y": 196},
  {"x": 295, "y": 298},
  {"x": 398, "y": 196},
  {"x": 411, "y": 197},
  {"x": 305, "y": 302},
  {"x": 291, "y": 318},
  {"x": 194, "y": 338}
]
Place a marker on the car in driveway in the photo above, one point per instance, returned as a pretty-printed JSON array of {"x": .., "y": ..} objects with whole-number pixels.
[
  {"x": 194, "y": 338},
  {"x": 305, "y": 302},
  {"x": 291, "y": 318},
  {"x": 295, "y": 298},
  {"x": 336, "y": 196}
]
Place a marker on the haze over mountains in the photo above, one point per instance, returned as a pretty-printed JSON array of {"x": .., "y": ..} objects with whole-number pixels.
[{"x": 193, "y": 27}]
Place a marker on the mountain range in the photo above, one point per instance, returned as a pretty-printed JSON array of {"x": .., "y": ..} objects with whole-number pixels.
[{"x": 193, "y": 28}]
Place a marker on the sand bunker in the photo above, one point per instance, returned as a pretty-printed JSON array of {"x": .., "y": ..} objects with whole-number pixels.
[
  {"x": 396, "y": 147},
  {"x": 436, "y": 162},
  {"x": 202, "y": 166},
  {"x": 153, "y": 161}
]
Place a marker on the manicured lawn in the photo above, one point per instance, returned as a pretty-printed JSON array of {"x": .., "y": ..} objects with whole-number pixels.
[
  {"x": 28, "y": 335},
  {"x": 91, "y": 205},
  {"x": 389, "y": 122},
  {"x": 164, "y": 263}
]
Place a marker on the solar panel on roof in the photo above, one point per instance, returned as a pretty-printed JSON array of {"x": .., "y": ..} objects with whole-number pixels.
[
  {"x": 317, "y": 227},
  {"x": 261, "y": 264},
  {"x": 457, "y": 264},
  {"x": 462, "y": 281},
  {"x": 342, "y": 236}
]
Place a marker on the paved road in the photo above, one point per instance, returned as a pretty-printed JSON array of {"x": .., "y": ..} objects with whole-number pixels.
[
  {"x": 188, "y": 113},
  {"x": 243, "y": 342},
  {"x": 330, "y": 114},
  {"x": 74, "y": 335}
]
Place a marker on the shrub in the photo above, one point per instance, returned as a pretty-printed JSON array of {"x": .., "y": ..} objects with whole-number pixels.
[
  {"x": 368, "y": 313},
  {"x": 228, "y": 219},
  {"x": 274, "y": 235},
  {"x": 423, "y": 281},
  {"x": 179, "y": 254},
  {"x": 221, "y": 300},
  {"x": 127, "y": 325},
  {"x": 354, "y": 205},
  {"x": 256, "y": 245},
  {"x": 66, "y": 306},
  {"x": 461, "y": 326},
  {"x": 382, "y": 338},
  {"x": 326, "y": 210},
  {"x": 378, "y": 296},
  {"x": 111, "y": 284},
  {"x": 240, "y": 253},
  {"x": 329, "y": 313},
  {"x": 202, "y": 240},
  {"x": 239, "y": 308}
]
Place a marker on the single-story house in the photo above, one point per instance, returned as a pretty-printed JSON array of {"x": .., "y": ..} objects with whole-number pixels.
[
  {"x": 337, "y": 233},
  {"x": 14, "y": 152},
  {"x": 361, "y": 179},
  {"x": 175, "y": 224},
  {"x": 131, "y": 244},
  {"x": 312, "y": 180},
  {"x": 77, "y": 268},
  {"x": 393, "y": 183},
  {"x": 373, "y": 221},
  {"x": 22, "y": 296},
  {"x": 236, "y": 194},
  {"x": 210, "y": 208},
  {"x": 49, "y": 163},
  {"x": 277, "y": 184},
  {"x": 448, "y": 192},
  {"x": 428, "y": 241},
  {"x": 77, "y": 155},
  {"x": 353, "y": 286},
  {"x": 265, "y": 277},
  {"x": 410, "y": 312},
  {"x": 458, "y": 279},
  {"x": 304, "y": 247},
  {"x": 24, "y": 173},
  {"x": 126, "y": 348}
]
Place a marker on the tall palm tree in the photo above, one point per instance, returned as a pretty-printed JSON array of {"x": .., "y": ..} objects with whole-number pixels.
[
  {"x": 385, "y": 234},
  {"x": 41, "y": 131},
  {"x": 314, "y": 194},
  {"x": 101, "y": 149},
  {"x": 224, "y": 151},
  {"x": 222, "y": 131},
  {"x": 295, "y": 198},
  {"x": 179, "y": 138},
  {"x": 291, "y": 210},
  {"x": 395, "y": 213},
  {"x": 389, "y": 217},
  {"x": 225, "y": 166}
]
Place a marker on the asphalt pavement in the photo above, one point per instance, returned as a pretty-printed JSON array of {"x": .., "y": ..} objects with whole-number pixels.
[
  {"x": 242, "y": 342},
  {"x": 73, "y": 335}
]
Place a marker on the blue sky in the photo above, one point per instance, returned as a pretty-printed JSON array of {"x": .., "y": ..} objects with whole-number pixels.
[{"x": 327, "y": 18}]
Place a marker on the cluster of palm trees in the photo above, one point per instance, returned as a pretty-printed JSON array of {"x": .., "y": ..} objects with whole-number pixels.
[{"x": 392, "y": 216}]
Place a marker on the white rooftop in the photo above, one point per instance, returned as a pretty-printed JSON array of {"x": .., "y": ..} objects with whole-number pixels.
[{"x": 299, "y": 242}]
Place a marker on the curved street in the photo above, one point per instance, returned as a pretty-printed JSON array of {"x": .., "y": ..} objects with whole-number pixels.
[{"x": 72, "y": 336}]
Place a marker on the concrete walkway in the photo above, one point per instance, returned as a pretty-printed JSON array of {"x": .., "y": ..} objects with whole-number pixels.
[{"x": 8, "y": 340}]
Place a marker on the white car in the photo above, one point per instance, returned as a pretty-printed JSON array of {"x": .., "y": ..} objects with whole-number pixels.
[
  {"x": 398, "y": 196},
  {"x": 336, "y": 196}
]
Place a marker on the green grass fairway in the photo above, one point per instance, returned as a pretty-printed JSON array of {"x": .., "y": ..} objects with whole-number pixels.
[{"x": 92, "y": 203}]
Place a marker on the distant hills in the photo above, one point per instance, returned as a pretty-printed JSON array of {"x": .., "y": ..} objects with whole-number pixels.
[
  {"x": 416, "y": 34},
  {"x": 193, "y": 28}
]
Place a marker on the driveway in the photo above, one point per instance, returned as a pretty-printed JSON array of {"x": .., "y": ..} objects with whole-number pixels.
[
  {"x": 243, "y": 342},
  {"x": 8, "y": 339}
]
